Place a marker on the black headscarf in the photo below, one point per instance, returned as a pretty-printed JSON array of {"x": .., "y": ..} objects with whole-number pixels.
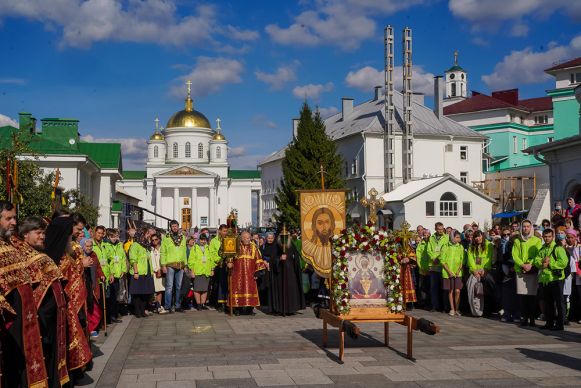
[
  {"x": 58, "y": 234},
  {"x": 141, "y": 240}
]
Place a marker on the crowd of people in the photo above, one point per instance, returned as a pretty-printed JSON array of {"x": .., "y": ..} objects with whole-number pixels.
[
  {"x": 62, "y": 281},
  {"x": 521, "y": 272}
]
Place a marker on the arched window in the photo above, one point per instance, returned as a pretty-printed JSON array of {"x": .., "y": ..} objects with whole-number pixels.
[
  {"x": 175, "y": 150},
  {"x": 448, "y": 205},
  {"x": 155, "y": 151},
  {"x": 200, "y": 151},
  {"x": 453, "y": 90},
  {"x": 218, "y": 152},
  {"x": 188, "y": 150}
]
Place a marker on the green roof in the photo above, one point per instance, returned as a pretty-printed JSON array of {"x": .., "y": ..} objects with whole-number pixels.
[
  {"x": 244, "y": 174},
  {"x": 134, "y": 174},
  {"x": 106, "y": 155},
  {"x": 455, "y": 68}
]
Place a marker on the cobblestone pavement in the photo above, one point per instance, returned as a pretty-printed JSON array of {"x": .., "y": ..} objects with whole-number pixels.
[{"x": 209, "y": 349}]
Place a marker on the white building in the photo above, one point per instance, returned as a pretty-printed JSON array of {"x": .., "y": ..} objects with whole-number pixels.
[
  {"x": 188, "y": 178},
  {"x": 440, "y": 146},
  {"x": 444, "y": 199}
]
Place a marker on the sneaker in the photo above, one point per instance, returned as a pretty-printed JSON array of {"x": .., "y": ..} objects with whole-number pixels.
[
  {"x": 452, "y": 313},
  {"x": 162, "y": 311},
  {"x": 94, "y": 334}
]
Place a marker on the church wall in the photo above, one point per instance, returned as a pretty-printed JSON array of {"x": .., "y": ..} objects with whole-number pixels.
[
  {"x": 105, "y": 198},
  {"x": 481, "y": 209},
  {"x": 270, "y": 176},
  {"x": 194, "y": 138},
  {"x": 135, "y": 189},
  {"x": 240, "y": 197}
]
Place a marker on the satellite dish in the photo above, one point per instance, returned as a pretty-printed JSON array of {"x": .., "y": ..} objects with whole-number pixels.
[{"x": 72, "y": 141}]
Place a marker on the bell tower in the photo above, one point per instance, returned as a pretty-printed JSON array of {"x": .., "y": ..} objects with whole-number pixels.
[{"x": 456, "y": 83}]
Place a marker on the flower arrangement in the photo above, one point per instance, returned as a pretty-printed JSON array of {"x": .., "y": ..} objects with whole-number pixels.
[{"x": 366, "y": 238}]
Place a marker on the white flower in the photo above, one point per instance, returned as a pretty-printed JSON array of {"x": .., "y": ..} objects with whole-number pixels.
[
  {"x": 376, "y": 237},
  {"x": 398, "y": 308},
  {"x": 390, "y": 299},
  {"x": 372, "y": 229},
  {"x": 341, "y": 273},
  {"x": 343, "y": 241},
  {"x": 391, "y": 287}
]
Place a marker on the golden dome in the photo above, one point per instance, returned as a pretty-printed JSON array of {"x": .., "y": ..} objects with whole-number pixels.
[
  {"x": 188, "y": 117},
  {"x": 218, "y": 136},
  {"x": 156, "y": 136}
]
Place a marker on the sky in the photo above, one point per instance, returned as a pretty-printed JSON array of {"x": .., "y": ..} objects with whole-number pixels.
[{"x": 117, "y": 65}]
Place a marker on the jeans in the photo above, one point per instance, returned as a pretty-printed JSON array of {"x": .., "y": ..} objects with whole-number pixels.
[
  {"x": 173, "y": 281},
  {"x": 436, "y": 290}
]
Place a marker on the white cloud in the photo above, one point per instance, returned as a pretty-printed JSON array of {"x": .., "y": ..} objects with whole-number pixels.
[
  {"x": 236, "y": 152},
  {"x": 313, "y": 91},
  {"x": 526, "y": 66},
  {"x": 519, "y": 29},
  {"x": 282, "y": 76},
  {"x": 366, "y": 78},
  {"x": 209, "y": 75},
  {"x": 133, "y": 150},
  {"x": 328, "y": 112},
  {"x": 490, "y": 14},
  {"x": 85, "y": 22},
  {"x": 12, "y": 81},
  {"x": 260, "y": 120},
  {"x": 342, "y": 23},
  {"x": 7, "y": 121}
]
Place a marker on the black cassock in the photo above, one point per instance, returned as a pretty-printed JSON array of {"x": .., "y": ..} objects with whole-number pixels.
[{"x": 286, "y": 293}]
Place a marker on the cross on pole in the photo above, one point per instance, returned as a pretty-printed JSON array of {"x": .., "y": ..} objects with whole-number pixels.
[
  {"x": 189, "y": 83},
  {"x": 218, "y": 121},
  {"x": 373, "y": 203},
  {"x": 156, "y": 123}
]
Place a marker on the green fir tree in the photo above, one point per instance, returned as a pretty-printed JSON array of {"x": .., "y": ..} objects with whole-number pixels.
[{"x": 305, "y": 155}]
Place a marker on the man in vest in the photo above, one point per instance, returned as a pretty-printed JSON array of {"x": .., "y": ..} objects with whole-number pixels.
[{"x": 173, "y": 261}]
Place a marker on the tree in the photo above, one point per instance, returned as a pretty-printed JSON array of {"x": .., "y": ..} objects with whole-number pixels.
[
  {"x": 79, "y": 203},
  {"x": 302, "y": 163}
]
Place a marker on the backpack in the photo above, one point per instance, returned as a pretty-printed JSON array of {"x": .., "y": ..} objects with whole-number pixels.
[{"x": 567, "y": 267}]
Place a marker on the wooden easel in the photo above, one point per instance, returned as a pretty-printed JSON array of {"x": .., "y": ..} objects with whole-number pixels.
[{"x": 366, "y": 316}]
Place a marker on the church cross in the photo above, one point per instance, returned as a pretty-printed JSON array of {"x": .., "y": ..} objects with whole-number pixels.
[
  {"x": 373, "y": 203},
  {"x": 189, "y": 84},
  {"x": 406, "y": 235},
  {"x": 218, "y": 121},
  {"x": 455, "y": 57},
  {"x": 156, "y": 123}
]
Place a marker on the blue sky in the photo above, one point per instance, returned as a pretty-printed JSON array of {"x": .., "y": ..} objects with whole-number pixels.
[{"x": 115, "y": 65}]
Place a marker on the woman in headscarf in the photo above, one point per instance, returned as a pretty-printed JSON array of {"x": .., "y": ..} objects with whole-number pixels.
[
  {"x": 95, "y": 276},
  {"x": 71, "y": 262},
  {"x": 141, "y": 287}
]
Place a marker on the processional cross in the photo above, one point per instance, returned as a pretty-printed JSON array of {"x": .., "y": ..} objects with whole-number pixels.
[
  {"x": 373, "y": 203},
  {"x": 405, "y": 235}
]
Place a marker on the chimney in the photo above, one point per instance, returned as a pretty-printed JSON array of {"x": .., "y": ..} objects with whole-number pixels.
[
  {"x": 418, "y": 98},
  {"x": 295, "y": 127},
  {"x": 377, "y": 93},
  {"x": 347, "y": 107},
  {"x": 438, "y": 96}
]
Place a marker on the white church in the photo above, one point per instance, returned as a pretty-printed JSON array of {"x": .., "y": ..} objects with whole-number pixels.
[
  {"x": 432, "y": 160},
  {"x": 187, "y": 176}
]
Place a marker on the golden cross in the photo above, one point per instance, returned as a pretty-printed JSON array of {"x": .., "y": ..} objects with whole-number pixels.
[
  {"x": 189, "y": 83},
  {"x": 156, "y": 123},
  {"x": 218, "y": 121},
  {"x": 406, "y": 235},
  {"x": 373, "y": 204}
]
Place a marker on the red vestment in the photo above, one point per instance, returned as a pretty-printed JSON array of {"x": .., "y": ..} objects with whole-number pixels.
[
  {"x": 79, "y": 351},
  {"x": 407, "y": 283},
  {"x": 243, "y": 289}
]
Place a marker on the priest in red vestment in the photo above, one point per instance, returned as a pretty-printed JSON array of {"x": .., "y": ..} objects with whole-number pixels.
[{"x": 244, "y": 268}]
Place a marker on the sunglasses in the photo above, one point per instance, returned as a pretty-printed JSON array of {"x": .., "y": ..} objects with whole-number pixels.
[{"x": 506, "y": 234}]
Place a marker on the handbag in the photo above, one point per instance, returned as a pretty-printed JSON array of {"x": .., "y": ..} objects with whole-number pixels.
[{"x": 122, "y": 294}]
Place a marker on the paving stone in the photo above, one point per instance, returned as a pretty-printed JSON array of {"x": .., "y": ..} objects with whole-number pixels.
[
  {"x": 142, "y": 371},
  {"x": 194, "y": 375},
  {"x": 309, "y": 377},
  {"x": 239, "y": 383},
  {"x": 232, "y": 374},
  {"x": 143, "y": 384},
  {"x": 157, "y": 377},
  {"x": 176, "y": 384}
]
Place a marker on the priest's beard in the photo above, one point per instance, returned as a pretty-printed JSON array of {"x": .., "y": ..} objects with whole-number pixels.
[{"x": 5, "y": 234}]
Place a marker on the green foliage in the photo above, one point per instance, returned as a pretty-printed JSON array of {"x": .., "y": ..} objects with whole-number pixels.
[
  {"x": 79, "y": 203},
  {"x": 302, "y": 163}
]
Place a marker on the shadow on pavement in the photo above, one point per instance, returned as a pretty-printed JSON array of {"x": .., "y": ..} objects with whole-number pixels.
[{"x": 555, "y": 358}]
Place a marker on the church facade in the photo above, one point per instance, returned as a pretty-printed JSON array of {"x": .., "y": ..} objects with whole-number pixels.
[{"x": 187, "y": 176}]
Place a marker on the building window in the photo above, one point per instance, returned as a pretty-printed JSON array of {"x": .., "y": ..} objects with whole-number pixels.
[
  {"x": 346, "y": 168},
  {"x": 464, "y": 177},
  {"x": 200, "y": 151},
  {"x": 218, "y": 152},
  {"x": 430, "y": 208},
  {"x": 188, "y": 150},
  {"x": 453, "y": 93},
  {"x": 467, "y": 209},
  {"x": 524, "y": 143},
  {"x": 354, "y": 167},
  {"x": 511, "y": 118},
  {"x": 544, "y": 119},
  {"x": 448, "y": 205},
  {"x": 175, "y": 150},
  {"x": 203, "y": 221},
  {"x": 550, "y": 139},
  {"x": 575, "y": 78},
  {"x": 155, "y": 151},
  {"x": 514, "y": 145},
  {"x": 463, "y": 152}
]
